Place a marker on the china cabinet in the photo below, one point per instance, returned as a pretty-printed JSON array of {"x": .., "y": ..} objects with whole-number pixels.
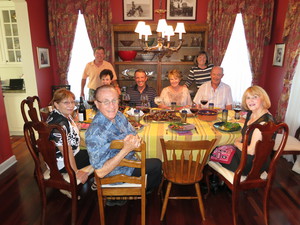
[
  {"x": 195, "y": 40},
  {"x": 10, "y": 43}
]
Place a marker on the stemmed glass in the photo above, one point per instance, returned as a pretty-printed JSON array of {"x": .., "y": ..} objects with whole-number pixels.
[
  {"x": 194, "y": 108},
  {"x": 145, "y": 103},
  {"x": 157, "y": 100},
  {"x": 237, "y": 109},
  {"x": 204, "y": 100},
  {"x": 126, "y": 99}
]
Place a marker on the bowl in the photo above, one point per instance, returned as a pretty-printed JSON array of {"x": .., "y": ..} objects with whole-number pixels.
[
  {"x": 207, "y": 114},
  {"x": 148, "y": 56},
  {"x": 188, "y": 57},
  {"x": 126, "y": 43},
  {"x": 127, "y": 55}
]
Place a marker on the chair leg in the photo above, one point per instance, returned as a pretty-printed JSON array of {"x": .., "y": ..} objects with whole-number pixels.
[
  {"x": 74, "y": 206},
  {"x": 198, "y": 191},
  {"x": 160, "y": 186},
  {"x": 143, "y": 208},
  {"x": 163, "y": 211},
  {"x": 44, "y": 201},
  {"x": 101, "y": 209},
  {"x": 235, "y": 195},
  {"x": 207, "y": 173}
]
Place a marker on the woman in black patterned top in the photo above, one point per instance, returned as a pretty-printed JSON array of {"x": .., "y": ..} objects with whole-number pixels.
[
  {"x": 63, "y": 103},
  {"x": 201, "y": 72},
  {"x": 257, "y": 102}
]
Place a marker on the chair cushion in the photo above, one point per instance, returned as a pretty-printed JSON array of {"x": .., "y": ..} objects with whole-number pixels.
[
  {"x": 123, "y": 185},
  {"x": 227, "y": 174},
  {"x": 292, "y": 144}
]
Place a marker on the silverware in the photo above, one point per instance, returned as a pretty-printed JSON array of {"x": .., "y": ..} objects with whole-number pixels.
[
  {"x": 196, "y": 130},
  {"x": 166, "y": 130}
]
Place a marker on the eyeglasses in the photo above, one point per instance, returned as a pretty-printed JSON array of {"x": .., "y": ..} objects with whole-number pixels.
[
  {"x": 107, "y": 102},
  {"x": 68, "y": 103}
]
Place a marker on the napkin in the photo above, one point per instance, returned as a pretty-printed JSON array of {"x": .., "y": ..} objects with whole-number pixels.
[
  {"x": 187, "y": 110},
  {"x": 130, "y": 112},
  {"x": 85, "y": 126}
]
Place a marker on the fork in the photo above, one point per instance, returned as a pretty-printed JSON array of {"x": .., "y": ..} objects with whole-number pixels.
[{"x": 167, "y": 130}]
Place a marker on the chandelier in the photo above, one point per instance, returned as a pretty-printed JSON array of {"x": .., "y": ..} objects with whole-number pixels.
[{"x": 164, "y": 33}]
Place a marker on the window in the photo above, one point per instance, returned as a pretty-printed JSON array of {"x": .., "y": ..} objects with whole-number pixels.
[
  {"x": 236, "y": 66},
  {"x": 82, "y": 53}
]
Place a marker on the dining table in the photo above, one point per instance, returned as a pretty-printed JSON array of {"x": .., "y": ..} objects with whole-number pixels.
[{"x": 152, "y": 131}]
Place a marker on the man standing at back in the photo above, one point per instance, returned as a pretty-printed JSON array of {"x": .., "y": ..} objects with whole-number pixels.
[
  {"x": 215, "y": 91},
  {"x": 93, "y": 69}
]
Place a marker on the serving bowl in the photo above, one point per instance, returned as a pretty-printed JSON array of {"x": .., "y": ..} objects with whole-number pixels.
[
  {"x": 127, "y": 55},
  {"x": 188, "y": 57},
  {"x": 148, "y": 56},
  {"x": 126, "y": 43},
  {"x": 207, "y": 114}
]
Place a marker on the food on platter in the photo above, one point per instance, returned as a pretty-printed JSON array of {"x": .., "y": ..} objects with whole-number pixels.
[{"x": 163, "y": 116}]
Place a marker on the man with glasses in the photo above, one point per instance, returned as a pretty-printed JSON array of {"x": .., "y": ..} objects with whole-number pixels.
[
  {"x": 110, "y": 124},
  {"x": 215, "y": 91}
]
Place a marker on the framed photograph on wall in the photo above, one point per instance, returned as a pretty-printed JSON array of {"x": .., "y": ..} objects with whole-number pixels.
[
  {"x": 137, "y": 9},
  {"x": 43, "y": 57},
  {"x": 181, "y": 10},
  {"x": 278, "y": 54}
]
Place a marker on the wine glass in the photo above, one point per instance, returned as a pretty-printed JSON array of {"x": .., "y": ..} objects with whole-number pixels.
[
  {"x": 90, "y": 101},
  {"x": 237, "y": 109},
  {"x": 204, "y": 100},
  {"x": 144, "y": 99},
  {"x": 126, "y": 98},
  {"x": 158, "y": 100},
  {"x": 194, "y": 108}
]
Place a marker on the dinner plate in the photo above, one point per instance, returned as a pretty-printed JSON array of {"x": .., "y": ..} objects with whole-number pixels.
[
  {"x": 181, "y": 126},
  {"x": 220, "y": 126}
]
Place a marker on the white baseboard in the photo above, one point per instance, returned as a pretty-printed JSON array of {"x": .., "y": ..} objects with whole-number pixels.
[{"x": 8, "y": 163}]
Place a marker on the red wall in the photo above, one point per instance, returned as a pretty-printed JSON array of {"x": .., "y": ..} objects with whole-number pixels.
[
  {"x": 5, "y": 149},
  {"x": 117, "y": 11},
  {"x": 46, "y": 77},
  {"x": 273, "y": 75}
]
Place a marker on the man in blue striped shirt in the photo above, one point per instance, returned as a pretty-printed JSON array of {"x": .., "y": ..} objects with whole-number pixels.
[{"x": 140, "y": 88}]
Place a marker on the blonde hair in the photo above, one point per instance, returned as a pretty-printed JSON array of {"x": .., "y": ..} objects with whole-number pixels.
[
  {"x": 175, "y": 73},
  {"x": 60, "y": 95},
  {"x": 259, "y": 91}
]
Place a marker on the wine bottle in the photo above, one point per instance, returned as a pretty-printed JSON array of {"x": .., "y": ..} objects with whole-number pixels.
[{"x": 81, "y": 111}]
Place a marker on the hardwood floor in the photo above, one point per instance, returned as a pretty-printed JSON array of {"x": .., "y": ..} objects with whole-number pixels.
[{"x": 20, "y": 201}]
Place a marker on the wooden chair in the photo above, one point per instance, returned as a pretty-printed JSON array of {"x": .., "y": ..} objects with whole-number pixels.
[
  {"x": 33, "y": 113},
  {"x": 43, "y": 152},
  {"x": 255, "y": 179},
  {"x": 183, "y": 164},
  {"x": 130, "y": 188}
]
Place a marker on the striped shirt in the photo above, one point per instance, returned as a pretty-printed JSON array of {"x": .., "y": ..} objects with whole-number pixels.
[
  {"x": 199, "y": 75},
  {"x": 135, "y": 95},
  {"x": 221, "y": 97}
]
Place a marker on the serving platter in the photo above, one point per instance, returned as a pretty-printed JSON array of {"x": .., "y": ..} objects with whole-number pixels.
[
  {"x": 181, "y": 126},
  {"x": 228, "y": 126}
]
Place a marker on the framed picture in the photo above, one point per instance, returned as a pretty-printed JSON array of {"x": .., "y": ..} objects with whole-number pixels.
[
  {"x": 278, "y": 54},
  {"x": 138, "y": 9},
  {"x": 43, "y": 57},
  {"x": 181, "y": 10}
]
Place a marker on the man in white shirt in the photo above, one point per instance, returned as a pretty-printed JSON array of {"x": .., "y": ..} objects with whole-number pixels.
[{"x": 215, "y": 91}]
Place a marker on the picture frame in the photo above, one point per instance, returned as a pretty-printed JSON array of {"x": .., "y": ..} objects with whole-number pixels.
[
  {"x": 181, "y": 10},
  {"x": 137, "y": 10},
  {"x": 43, "y": 57},
  {"x": 278, "y": 54}
]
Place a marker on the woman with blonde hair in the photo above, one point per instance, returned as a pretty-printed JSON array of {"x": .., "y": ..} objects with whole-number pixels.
[{"x": 175, "y": 92}]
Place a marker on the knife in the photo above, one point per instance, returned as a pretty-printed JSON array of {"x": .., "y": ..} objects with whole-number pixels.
[{"x": 196, "y": 130}]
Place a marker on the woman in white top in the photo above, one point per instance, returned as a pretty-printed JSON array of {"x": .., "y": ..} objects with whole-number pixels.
[{"x": 175, "y": 92}]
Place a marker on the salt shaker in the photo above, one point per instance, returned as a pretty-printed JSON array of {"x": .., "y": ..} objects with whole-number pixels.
[
  {"x": 224, "y": 115},
  {"x": 173, "y": 105},
  {"x": 183, "y": 115},
  {"x": 211, "y": 105},
  {"x": 136, "y": 113}
]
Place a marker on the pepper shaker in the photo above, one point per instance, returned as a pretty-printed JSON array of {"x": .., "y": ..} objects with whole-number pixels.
[{"x": 224, "y": 115}]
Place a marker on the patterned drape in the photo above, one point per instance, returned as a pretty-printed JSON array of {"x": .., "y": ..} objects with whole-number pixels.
[
  {"x": 257, "y": 19},
  {"x": 220, "y": 20},
  {"x": 62, "y": 19},
  {"x": 291, "y": 36},
  {"x": 97, "y": 16}
]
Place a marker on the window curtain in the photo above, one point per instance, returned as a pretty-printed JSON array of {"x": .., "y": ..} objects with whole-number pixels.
[
  {"x": 291, "y": 36},
  {"x": 257, "y": 19},
  {"x": 97, "y": 16},
  {"x": 62, "y": 19}
]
